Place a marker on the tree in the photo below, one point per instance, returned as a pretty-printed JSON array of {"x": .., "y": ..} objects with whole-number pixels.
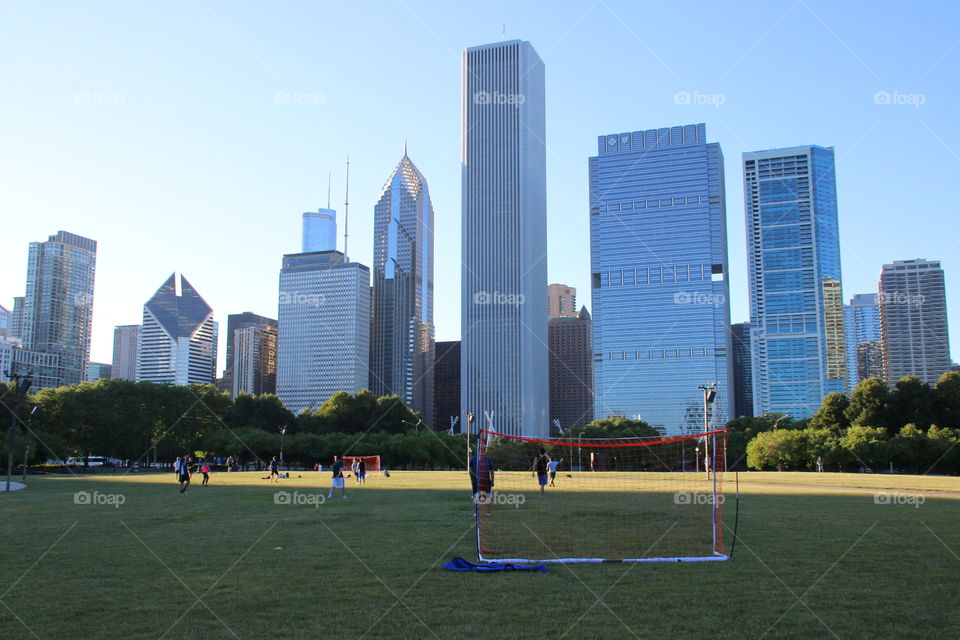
[
  {"x": 832, "y": 414},
  {"x": 781, "y": 449},
  {"x": 618, "y": 427},
  {"x": 868, "y": 445},
  {"x": 264, "y": 411},
  {"x": 869, "y": 404},
  {"x": 946, "y": 401},
  {"x": 911, "y": 402},
  {"x": 911, "y": 449}
]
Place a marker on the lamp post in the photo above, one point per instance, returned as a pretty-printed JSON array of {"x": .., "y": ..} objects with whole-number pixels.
[
  {"x": 22, "y": 386},
  {"x": 709, "y": 394},
  {"x": 283, "y": 432},
  {"x": 470, "y": 418}
]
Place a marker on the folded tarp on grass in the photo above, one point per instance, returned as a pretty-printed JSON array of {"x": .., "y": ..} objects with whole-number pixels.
[{"x": 459, "y": 564}]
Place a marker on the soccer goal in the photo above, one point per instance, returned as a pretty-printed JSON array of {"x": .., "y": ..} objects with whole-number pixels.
[
  {"x": 631, "y": 500},
  {"x": 373, "y": 464}
]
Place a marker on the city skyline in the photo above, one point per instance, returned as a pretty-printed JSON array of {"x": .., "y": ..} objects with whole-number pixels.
[{"x": 872, "y": 91}]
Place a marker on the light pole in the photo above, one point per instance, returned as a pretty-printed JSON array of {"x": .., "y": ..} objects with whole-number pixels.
[
  {"x": 22, "y": 386},
  {"x": 709, "y": 394},
  {"x": 777, "y": 421},
  {"x": 470, "y": 417},
  {"x": 283, "y": 432}
]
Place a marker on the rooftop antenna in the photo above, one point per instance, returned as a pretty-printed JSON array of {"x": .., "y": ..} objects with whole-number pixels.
[
  {"x": 346, "y": 213},
  {"x": 404, "y": 146},
  {"x": 328, "y": 189},
  {"x": 503, "y": 31}
]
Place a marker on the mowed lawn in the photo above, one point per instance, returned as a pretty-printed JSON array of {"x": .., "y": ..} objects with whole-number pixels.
[{"x": 235, "y": 561}]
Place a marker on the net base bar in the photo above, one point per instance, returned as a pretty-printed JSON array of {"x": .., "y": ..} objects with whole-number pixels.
[{"x": 714, "y": 558}]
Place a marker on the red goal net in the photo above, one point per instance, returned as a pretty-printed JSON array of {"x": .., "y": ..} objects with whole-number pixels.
[
  {"x": 569, "y": 500},
  {"x": 372, "y": 465}
]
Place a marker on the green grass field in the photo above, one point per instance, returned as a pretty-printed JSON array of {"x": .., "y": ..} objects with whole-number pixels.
[{"x": 227, "y": 561}]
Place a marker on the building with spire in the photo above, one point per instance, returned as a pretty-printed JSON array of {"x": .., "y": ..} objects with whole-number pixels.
[
  {"x": 178, "y": 338},
  {"x": 401, "y": 349}
]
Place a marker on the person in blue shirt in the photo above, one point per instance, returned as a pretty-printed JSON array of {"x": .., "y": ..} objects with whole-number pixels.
[
  {"x": 274, "y": 470},
  {"x": 337, "y": 469}
]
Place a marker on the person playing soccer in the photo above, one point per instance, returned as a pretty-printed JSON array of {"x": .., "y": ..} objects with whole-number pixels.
[
  {"x": 337, "y": 469},
  {"x": 483, "y": 468},
  {"x": 355, "y": 469},
  {"x": 205, "y": 470},
  {"x": 184, "y": 472},
  {"x": 540, "y": 469},
  {"x": 552, "y": 467},
  {"x": 275, "y": 470},
  {"x": 361, "y": 471}
]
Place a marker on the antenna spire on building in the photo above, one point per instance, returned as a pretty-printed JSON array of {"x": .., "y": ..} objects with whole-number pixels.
[
  {"x": 328, "y": 189},
  {"x": 346, "y": 213}
]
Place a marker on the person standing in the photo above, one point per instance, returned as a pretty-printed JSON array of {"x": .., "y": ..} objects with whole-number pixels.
[
  {"x": 176, "y": 468},
  {"x": 274, "y": 470},
  {"x": 820, "y": 464},
  {"x": 361, "y": 471},
  {"x": 540, "y": 469},
  {"x": 183, "y": 473},
  {"x": 552, "y": 468},
  {"x": 482, "y": 473},
  {"x": 337, "y": 482},
  {"x": 205, "y": 470}
]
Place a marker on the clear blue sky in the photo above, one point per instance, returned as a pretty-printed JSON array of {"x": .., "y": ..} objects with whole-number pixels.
[{"x": 190, "y": 136}]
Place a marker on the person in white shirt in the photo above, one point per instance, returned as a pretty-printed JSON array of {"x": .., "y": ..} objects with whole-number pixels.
[{"x": 552, "y": 468}]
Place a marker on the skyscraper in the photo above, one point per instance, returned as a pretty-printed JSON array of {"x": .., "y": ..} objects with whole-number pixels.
[
  {"x": 862, "y": 327},
  {"x": 323, "y": 343},
  {"x": 742, "y": 370},
  {"x": 98, "y": 371},
  {"x": 259, "y": 351},
  {"x": 503, "y": 232},
  {"x": 319, "y": 230},
  {"x": 57, "y": 315},
  {"x": 913, "y": 320},
  {"x": 126, "y": 340},
  {"x": 661, "y": 309},
  {"x": 401, "y": 355},
  {"x": 6, "y": 319},
  {"x": 793, "y": 255},
  {"x": 16, "y": 319},
  {"x": 571, "y": 370},
  {"x": 561, "y": 301},
  {"x": 178, "y": 338},
  {"x": 446, "y": 386}
]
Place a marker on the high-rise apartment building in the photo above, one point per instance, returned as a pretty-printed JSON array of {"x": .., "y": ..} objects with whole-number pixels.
[
  {"x": 913, "y": 320},
  {"x": 661, "y": 304},
  {"x": 323, "y": 343},
  {"x": 793, "y": 255},
  {"x": 6, "y": 319},
  {"x": 178, "y": 337},
  {"x": 401, "y": 349},
  {"x": 126, "y": 341},
  {"x": 258, "y": 351},
  {"x": 742, "y": 370},
  {"x": 561, "y": 301},
  {"x": 571, "y": 370},
  {"x": 57, "y": 310},
  {"x": 16, "y": 318},
  {"x": 503, "y": 233},
  {"x": 862, "y": 328}
]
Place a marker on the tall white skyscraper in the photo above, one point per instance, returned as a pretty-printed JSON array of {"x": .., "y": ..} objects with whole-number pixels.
[
  {"x": 504, "y": 366},
  {"x": 178, "y": 338},
  {"x": 323, "y": 343},
  {"x": 401, "y": 355}
]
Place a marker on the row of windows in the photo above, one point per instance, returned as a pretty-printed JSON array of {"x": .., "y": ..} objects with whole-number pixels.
[
  {"x": 652, "y": 203},
  {"x": 652, "y": 275}
]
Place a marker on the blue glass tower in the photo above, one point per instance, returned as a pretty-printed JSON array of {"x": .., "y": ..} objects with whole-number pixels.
[
  {"x": 793, "y": 256},
  {"x": 659, "y": 267},
  {"x": 862, "y": 325},
  {"x": 319, "y": 230}
]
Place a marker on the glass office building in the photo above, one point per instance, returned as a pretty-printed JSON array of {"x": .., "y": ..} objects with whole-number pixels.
[
  {"x": 323, "y": 341},
  {"x": 319, "y": 230},
  {"x": 504, "y": 235},
  {"x": 56, "y": 316},
  {"x": 862, "y": 326},
  {"x": 793, "y": 255},
  {"x": 659, "y": 277},
  {"x": 401, "y": 355}
]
